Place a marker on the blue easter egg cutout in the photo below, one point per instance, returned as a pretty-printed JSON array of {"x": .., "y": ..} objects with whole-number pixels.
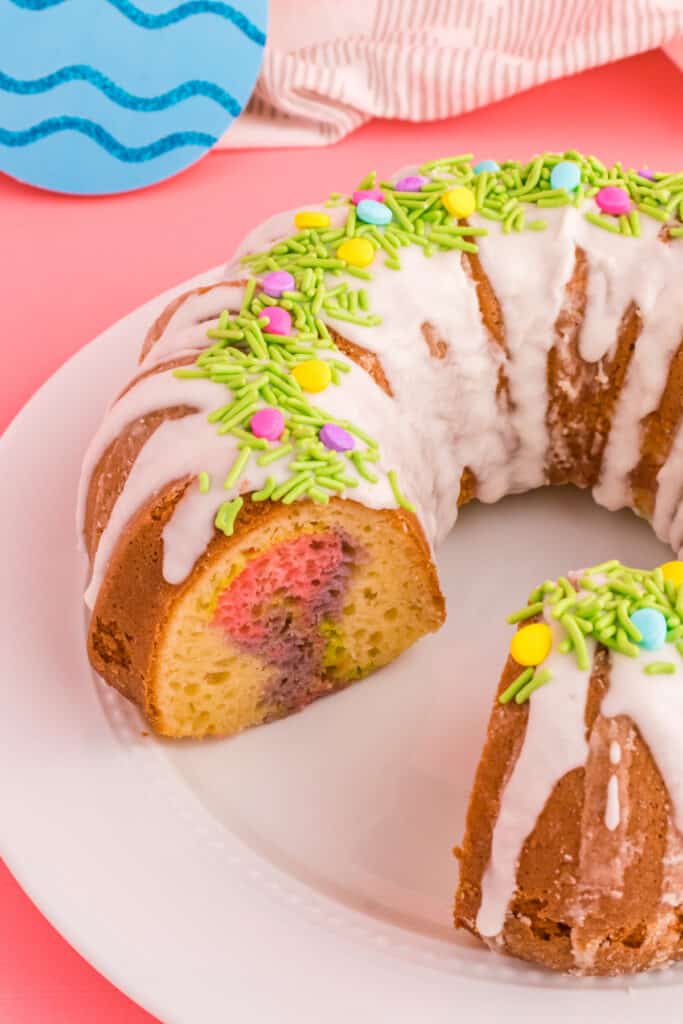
[{"x": 106, "y": 96}]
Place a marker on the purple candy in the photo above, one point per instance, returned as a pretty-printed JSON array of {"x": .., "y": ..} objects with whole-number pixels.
[
  {"x": 277, "y": 282},
  {"x": 279, "y": 320},
  {"x": 411, "y": 183},
  {"x": 336, "y": 438},
  {"x": 645, "y": 172},
  {"x": 613, "y": 199},
  {"x": 368, "y": 193},
  {"x": 268, "y": 423}
]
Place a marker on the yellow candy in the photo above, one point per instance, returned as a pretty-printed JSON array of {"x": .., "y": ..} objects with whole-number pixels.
[
  {"x": 359, "y": 252},
  {"x": 531, "y": 644},
  {"x": 673, "y": 571},
  {"x": 311, "y": 219},
  {"x": 459, "y": 201},
  {"x": 313, "y": 374}
]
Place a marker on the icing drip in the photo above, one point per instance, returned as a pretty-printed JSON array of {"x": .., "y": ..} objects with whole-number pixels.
[
  {"x": 652, "y": 281},
  {"x": 554, "y": 744},
  {"x": 655, "y": 704},
  {"x": 180, "y": 448},
  {"x": 614, "y": 752},
  {"x": 529, "y": 283},
  {"x": 612, "y": 809}
]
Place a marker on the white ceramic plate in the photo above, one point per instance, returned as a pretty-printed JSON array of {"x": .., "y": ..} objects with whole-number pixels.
[{"x": 300, "y": 872}]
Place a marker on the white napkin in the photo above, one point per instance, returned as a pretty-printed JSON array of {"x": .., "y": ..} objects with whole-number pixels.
[{"x": 331, "y": 65}]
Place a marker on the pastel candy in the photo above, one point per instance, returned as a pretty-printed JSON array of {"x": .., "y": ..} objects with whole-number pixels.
[
  {"x": 486, "y": 165},
  {"x": 645, "y": 172},
  {"x": 673, "y": 571},
  {"x": 311, "y": 219},
  {"x": 277, "y": 282},
  {"x": 336, "y": 438},
  {"x": 460, "y": 201},
  {"x": 411, "y": 183},
  {"x": 358, "y": 252},
  {"x": 267, "y": 423},
  {"x": 279, "y": 320},
  {"x": 613, "y": 199},
  {"x": 531, "y": 644},
  {"x": 566, "y": 175},
  {"x": 372, "y": 212},
  {"x": 367, "y": 193},
  {"x": 313, "y": 374},
  {"x": 651, "y": 624}
]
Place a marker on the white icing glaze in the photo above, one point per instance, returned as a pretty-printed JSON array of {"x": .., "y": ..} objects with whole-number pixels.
[
  {"x": 614, "y": 752},
  {"x": 554, "y": 744},
  {"x": 444, "y": 415},
  {"x": 655, "y": 704},
  {"x": 529, "y": 283},
  {"x": 182, "y": 448},
  {"x": 655, "y": 285},
  {"x": 612, "y": 808}
]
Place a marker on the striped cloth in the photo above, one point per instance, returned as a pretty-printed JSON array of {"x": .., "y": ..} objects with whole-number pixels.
[{"x": 332, "y": 65}]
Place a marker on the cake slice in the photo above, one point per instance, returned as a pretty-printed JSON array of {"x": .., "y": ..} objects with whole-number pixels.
[{"x": 573, "y": 854}]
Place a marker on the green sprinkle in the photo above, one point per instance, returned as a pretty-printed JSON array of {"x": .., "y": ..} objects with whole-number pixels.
[
  {"x": 318, "y": 495},
  {"x": 604, "y": 222},
  {"x": 539, "y": 679},
  {"x": 516, "y": 685},
  {"x": 400, "y": 499},
  {"x": 577, "y": 638},
  {"x": 653, "y": 211},
  {"x": 538, "y": 225},
  {"x": 274, "y": 454},
  {"x": 676, "y": 232},
  {"x": 226, "y": 515},
  {"x": 289, "y": 485},
  {"x": 237, "y": 468},
  {"x": 659, "y": 668},
  {"x": 623, "y": 616},
  {"x": 204, "y": 482},
  {"x": 265, "y": 491},
  {"x": 525, "y": 613},
  {"x": 329, "y": 482}
]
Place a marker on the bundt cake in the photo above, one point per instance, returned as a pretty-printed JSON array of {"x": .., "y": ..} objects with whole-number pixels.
[
  {"x": 261, "y": 503},
  {"x": 573, "y": 851}
]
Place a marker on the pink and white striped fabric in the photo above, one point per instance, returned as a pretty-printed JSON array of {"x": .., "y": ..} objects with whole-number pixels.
[{"x": 331, "y": 65}]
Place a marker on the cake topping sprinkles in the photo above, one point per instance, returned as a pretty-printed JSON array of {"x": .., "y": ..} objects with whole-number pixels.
[
  {"x": 278, "y": 345},
  {"x": 627, "y": 610}
]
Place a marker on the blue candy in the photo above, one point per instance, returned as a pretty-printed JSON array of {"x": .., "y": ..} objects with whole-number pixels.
[
  {"x": 652, "y": 626},
  {"x": 485, "y": 165},
  {"x": 372, "y": 212},
  {"x": 566, "y": 175}
]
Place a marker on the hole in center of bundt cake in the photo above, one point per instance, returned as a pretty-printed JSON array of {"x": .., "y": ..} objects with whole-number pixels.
[{"x": 282, "y": 608}]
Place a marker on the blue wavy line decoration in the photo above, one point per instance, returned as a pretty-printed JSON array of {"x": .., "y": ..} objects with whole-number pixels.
[
  {"x": 116, "y": 93},
  {"x": 127, "y": 154},
  {"x": 155, "y": 21}
]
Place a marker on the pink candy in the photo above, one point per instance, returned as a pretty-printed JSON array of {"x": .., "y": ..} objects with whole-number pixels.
[
  {"x": 645, "y": 172},
  {"x": 268, "y": 423},
  {"x": 368, "y": 193},
  {"x": 277, "y": 282},
  {"x": 279, "y": 320},
  {"x": 613, "y": 199},
  {"x": 411, "y": 183}
]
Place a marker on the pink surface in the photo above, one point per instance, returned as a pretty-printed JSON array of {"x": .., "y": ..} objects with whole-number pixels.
[{"x": 73, "y": 266}]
